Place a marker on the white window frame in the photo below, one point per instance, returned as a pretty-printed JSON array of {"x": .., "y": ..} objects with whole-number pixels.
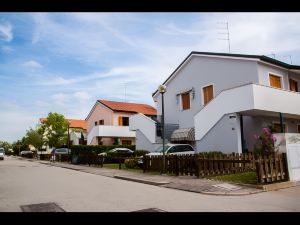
[
  {"x": 278, "y": 75},
  {"x": 202, "y": 92}
]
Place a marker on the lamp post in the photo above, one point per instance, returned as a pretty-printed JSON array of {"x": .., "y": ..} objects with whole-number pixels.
[
  {"x": 69, "y": 141},
  {"x": 162, "y": 89}
]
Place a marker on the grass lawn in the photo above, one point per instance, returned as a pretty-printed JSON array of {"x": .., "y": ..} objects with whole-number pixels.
[{"x": 245, "y": 178}]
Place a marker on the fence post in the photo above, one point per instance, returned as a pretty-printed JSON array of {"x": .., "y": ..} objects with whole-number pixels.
[
  {"x": 285, "y": 166},
  {"x": 120, "y": 164}
]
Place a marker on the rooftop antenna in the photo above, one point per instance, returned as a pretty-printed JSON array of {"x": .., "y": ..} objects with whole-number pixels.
[
  {"x": 125, "y": 92},
  {"x": 289, "y": 57},
  {"x": 225, "y": 27}
]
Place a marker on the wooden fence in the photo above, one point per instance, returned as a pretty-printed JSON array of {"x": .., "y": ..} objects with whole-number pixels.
[
  {"x": 268, "y": 169},
  {"x": 271, "y": 168}
]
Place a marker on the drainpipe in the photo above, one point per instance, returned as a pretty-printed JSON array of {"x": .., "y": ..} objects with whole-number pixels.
[
  {"x": 242, "y": 133},
  {"x": 281, "y": 122}
]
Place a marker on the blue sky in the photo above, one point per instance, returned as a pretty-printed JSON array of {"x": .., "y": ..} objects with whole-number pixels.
[{"x": 64, "y": 62}]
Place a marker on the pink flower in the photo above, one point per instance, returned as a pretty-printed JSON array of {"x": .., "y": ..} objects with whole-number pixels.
[
  {"x": 255, "y": 136},
  {"x": 266, "y": 131}
]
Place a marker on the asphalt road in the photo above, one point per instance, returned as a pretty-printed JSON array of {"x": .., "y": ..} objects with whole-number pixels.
[{"x": 23, "y": 183}]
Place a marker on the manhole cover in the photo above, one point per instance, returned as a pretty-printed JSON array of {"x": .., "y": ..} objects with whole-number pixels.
[
  {"x": 150, "y": 210},
  {"x": 227, "y": 186},
  {"x": 42, "y": 207}
]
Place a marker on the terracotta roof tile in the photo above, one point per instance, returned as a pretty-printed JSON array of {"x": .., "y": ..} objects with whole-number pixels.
[
  {"x": 129, "y": 107},
  {"x": 73, "y": 123}
]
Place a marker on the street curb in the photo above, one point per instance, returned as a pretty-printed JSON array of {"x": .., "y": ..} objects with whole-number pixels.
[{"x": 140, "y": 181}]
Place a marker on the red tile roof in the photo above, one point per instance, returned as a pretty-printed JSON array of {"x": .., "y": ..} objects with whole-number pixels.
[
  {"x": 73, "y": 123},
  {"x": 129, "y": 107}
]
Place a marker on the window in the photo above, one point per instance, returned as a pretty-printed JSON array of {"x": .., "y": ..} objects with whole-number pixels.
[
  {"x": 101, "y": 122},
  {"x": 96, "y": 123},
  {"x": 298, "y": 128},
  {"x": 185, "y": 99},
  {"x": 277, "y": 128},
  {"x": 293, "y": 85},
  {"x": 123, "y": 121},
  {"x": 208, "y": 94},
  {"x": 275, "y": 81},
  {"x": 126, "y": 142}
]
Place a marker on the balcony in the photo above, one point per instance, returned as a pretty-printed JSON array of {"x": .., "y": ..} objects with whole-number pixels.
[
  {"x": 248, "y": 99},
  {"x": 109, "y": 131}
]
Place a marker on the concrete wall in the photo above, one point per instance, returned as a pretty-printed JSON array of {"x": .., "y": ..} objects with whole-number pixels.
[
  {"x": 100, "y": 112},
  {"x": 254, "y": 125},
  {"x": 224, "y": 136},
  {"x": 143, "y": 143},
  {"x": 200, "y": 72}
]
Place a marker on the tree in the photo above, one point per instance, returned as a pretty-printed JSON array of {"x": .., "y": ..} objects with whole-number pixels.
[
  {"x": 7, "y": 146},
  {"x": 34, "y": 137},
  {"x": 54, "y": 130}
]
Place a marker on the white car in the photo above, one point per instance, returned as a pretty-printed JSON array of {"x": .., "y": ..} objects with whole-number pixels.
[
  {"x": 174, "y": 149},
  {"x": 118, "y": 150},
  {"x": 2, "y": 153}
]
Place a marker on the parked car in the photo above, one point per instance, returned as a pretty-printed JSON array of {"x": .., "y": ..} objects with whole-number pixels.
[
  {"x": 61, "y": 151},
  {"x": 28, "y": 154},
  {"x": 122, "y": 151},
  {"x": 170, "y": 149},
  {"x": 2, "y": 153},
  {"x": 174, "y": 149},
  {"x": 116, "y": 155}
]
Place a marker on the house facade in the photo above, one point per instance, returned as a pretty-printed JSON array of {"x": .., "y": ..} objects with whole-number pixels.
[
  {"x": 220, "y": 101},
  {"x": 108, "y": 122}
]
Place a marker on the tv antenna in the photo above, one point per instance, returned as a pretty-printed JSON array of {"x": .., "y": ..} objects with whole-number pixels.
[
  {"x": 225, "y": 27},
  {"x": 289, "y": 56},
  {"x": 125, "y": 84}
]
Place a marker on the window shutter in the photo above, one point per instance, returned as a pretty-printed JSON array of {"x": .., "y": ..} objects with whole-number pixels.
[
  {"x": 185, "y": 101},
  {"x": 275, "y": 81},
  {"x": 293, "y": 85},
  {"x": 120, "y": 121},
  {"x": 208, "y": 94}
]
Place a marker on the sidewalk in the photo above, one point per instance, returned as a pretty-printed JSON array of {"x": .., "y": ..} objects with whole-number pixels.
[{"x": 185, "y": 183}]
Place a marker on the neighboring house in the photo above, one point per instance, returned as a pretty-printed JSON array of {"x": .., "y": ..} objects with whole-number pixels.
[
  {"x": 219, "y": 101},
  {"x": 108, "y": 122},
  {"x": 77, "y": 132}
]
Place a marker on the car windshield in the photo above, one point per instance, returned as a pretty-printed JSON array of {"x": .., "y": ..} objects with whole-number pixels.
[
  {"x": 1, "y": 150},
  {"x": 160, "y": 149}
]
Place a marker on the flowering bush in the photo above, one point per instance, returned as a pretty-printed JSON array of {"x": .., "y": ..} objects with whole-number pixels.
[{"x": 265, "y": 143}]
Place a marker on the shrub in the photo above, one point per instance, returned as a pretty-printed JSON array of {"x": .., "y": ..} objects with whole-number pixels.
[
  {"x": 131, "y": 163},
  {"x": 140, "y": 152},
  {"x": 264, "y": 144}
]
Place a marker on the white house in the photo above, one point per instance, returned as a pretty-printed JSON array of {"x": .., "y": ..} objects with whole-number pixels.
[{"x": 219, "y": 101}]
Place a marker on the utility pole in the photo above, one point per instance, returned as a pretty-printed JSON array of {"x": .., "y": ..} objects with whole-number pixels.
[{"x": 226, "y": 27}]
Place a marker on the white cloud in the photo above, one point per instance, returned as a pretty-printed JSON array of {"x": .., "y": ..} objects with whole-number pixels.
[
  {"x": 15, "y": 120},
  {"x": 60, "y": 98},
  {"x": 32, "y": 64},
  {"x": 6, "y": 32},
  {"x": 7, "y": 49},
  {"x": 82, "y": 96}
]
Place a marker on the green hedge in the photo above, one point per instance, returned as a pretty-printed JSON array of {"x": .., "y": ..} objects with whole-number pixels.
[{"x": 86, "y": 149}]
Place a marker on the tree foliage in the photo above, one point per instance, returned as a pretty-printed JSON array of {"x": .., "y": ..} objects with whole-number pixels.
[
  {"x": 34, "y": 137},
  {"x": 6, "y": 145},
  {"x": 54, "y": 130}
]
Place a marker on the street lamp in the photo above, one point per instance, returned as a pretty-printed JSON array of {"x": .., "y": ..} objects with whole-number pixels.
[{"x": 162, "y": 89}]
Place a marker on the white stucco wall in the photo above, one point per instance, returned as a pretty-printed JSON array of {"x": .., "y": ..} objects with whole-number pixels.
[{"x": 200, "y": 72}]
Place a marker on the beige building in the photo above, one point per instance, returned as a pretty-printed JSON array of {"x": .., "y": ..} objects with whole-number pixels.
[{"x": 108, "y": 122}]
